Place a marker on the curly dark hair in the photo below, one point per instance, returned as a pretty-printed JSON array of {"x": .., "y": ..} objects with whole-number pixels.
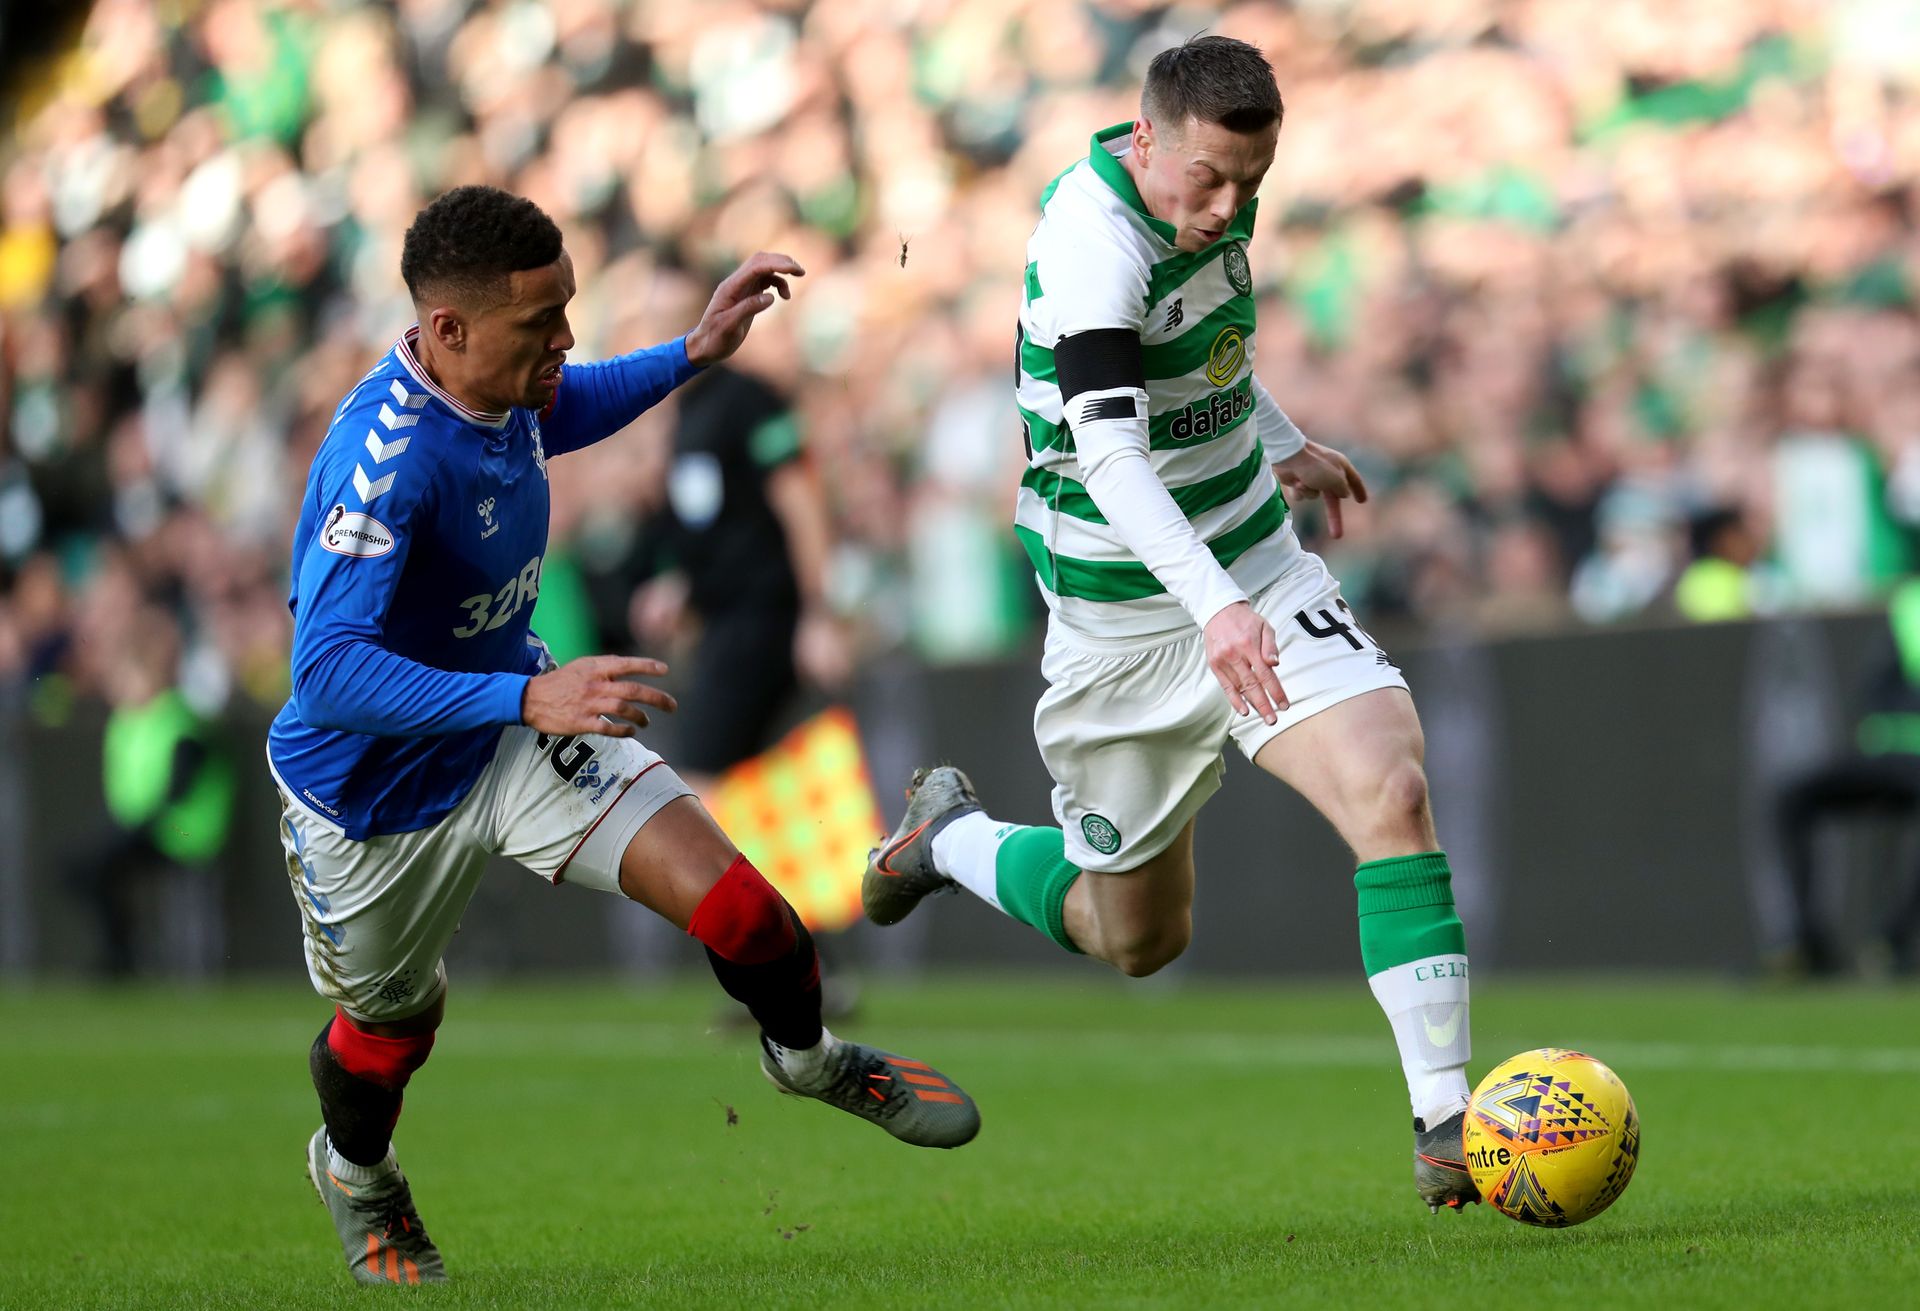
[
  {"x": 1215, "y": 79},
  {"x": 467, "y": 243}
]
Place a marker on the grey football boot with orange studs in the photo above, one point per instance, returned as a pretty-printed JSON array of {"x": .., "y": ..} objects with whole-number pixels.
[
  {"x": 900, "y": 871},
  {"x": 1440, "y": 1164},
  {"x": 379, "y": 1230}
]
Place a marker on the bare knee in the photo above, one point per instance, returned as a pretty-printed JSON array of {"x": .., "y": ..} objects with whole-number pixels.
[
  {"x": 1140, "y": 920},
  {"x": 677, "y": 858},
  {"x": 1397, "y": 811},
  {"x": 1403, "y": 792},
  {"x": 1139, "y": 955}
]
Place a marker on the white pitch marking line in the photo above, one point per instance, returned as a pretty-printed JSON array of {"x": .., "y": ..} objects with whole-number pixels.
[
  {"x": 1228, "y": 1050},
  {"x": 1278, "y": 1051}
]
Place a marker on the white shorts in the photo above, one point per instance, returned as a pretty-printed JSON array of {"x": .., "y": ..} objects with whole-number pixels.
[
  {"x": 380, "y": 913},
  {"x": 1133, "y": 733}
]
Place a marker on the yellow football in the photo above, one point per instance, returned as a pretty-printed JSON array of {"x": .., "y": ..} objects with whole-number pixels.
[{"x": 1551, "y": 1137}]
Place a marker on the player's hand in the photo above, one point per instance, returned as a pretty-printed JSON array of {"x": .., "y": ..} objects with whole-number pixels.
[
  {"x": 594, "y": 694},
  {"x": 1242, "y": 652},
  {"x": 657, "y": 611},
  {"x": 1316, "y": 471},
  {"x": 822, "y": 650},
  {"x": 746, "y": 291}
]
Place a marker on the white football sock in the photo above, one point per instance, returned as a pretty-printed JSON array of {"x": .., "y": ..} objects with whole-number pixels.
[
  {"x": 347, "y": 1172},
  {"x": 1426, "y": 1002},
  {"x": 808, "y": 1067},
  {"x": 968, "y": 852}
]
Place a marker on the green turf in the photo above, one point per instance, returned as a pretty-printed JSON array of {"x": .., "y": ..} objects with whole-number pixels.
[{"x": 1143, "y": 1146}]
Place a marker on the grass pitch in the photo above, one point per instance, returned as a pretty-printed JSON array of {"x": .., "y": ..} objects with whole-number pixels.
[{"x": 1200, "y": 1146}]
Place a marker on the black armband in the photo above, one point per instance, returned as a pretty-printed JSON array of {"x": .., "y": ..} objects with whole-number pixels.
[{"x": 1102, "y": 360}]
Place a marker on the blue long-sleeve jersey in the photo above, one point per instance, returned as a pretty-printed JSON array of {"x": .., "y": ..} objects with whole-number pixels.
[{"x": 416, "y": 563}]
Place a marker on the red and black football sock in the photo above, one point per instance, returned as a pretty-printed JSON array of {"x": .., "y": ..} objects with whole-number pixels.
[
  {"x": 762, "y": 954},
  {"x": 360, "y": 1078},
  {"x": 783, "y": 994}
]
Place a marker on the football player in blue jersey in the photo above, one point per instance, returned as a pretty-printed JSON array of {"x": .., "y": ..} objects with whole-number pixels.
[{"x": 429, "y": 729}]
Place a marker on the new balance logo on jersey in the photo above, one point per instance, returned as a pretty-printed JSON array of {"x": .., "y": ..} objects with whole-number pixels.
[
  {"x": 1205, "y": 418},
  {"x": 486, "y": 517},
  {"x": 1176, "y": 315}
]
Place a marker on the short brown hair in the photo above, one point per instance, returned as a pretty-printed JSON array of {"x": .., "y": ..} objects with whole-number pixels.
[{"x": 1215, "y": 79}]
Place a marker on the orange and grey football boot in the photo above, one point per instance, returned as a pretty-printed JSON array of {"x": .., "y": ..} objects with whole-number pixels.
[
  {"x": 909, "y": 1099},
  {"x": 379, "y": 1230},
  {"x": 900, "y": 871},
  {"x": 1440, "y": 1163}
]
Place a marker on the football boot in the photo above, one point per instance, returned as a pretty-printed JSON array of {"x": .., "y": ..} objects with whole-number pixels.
[{"x": 900, "y": 871}]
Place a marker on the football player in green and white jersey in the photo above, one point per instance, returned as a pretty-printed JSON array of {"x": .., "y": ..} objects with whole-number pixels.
[{"x": 1184, "y": 612}]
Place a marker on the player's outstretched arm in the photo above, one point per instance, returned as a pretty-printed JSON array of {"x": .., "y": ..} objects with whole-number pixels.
[
  {"x": 1315, "y": 472},
  {"x": 597, "y": 400},
  {"x": 594, "y": 694},
  {"x": 747, "y": 291}
]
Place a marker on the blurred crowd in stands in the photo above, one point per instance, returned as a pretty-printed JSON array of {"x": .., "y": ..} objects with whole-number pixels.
[{"x": 1613, "y": 303}]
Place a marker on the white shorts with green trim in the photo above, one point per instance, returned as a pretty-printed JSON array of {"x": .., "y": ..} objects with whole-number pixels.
[
  {"x": 379, "y": 913},
  {"x": 1133, "y": 733}
]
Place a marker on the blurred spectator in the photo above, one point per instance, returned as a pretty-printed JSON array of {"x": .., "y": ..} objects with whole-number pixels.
[
  {"x": 1878, "y": 775},
  {"x": 1558, "y": 275},
  {"x": 170, "y": 790},
  {"x": 1722, "y": 582}
]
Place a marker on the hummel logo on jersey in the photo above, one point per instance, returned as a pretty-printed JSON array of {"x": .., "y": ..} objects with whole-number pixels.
[
  {"x": 486, "y": 515},
  {"x": 371, "y": 489},
  {"x": 1176, "y": 314},
  {"x": 413, "y": 401}
]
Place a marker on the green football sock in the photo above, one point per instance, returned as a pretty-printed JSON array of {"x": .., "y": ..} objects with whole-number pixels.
[
  {"x": 1406, "y": 911},
  {"x": 1415, "y": 952},
  {"x": 1031, "y": 876}
]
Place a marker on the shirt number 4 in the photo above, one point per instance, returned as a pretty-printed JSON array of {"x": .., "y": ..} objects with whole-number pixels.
[
  {"x": 1332, "y": 625},
  {"x": 490, "y": 610}
]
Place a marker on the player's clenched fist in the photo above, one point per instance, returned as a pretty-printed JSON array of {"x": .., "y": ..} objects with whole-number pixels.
[
  {"x": 1242, "y": 651},
  {"x": 594, "y": 694}
]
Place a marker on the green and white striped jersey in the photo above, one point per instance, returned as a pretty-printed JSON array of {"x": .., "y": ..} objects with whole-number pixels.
[{"x": 1098, "y": 260}]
